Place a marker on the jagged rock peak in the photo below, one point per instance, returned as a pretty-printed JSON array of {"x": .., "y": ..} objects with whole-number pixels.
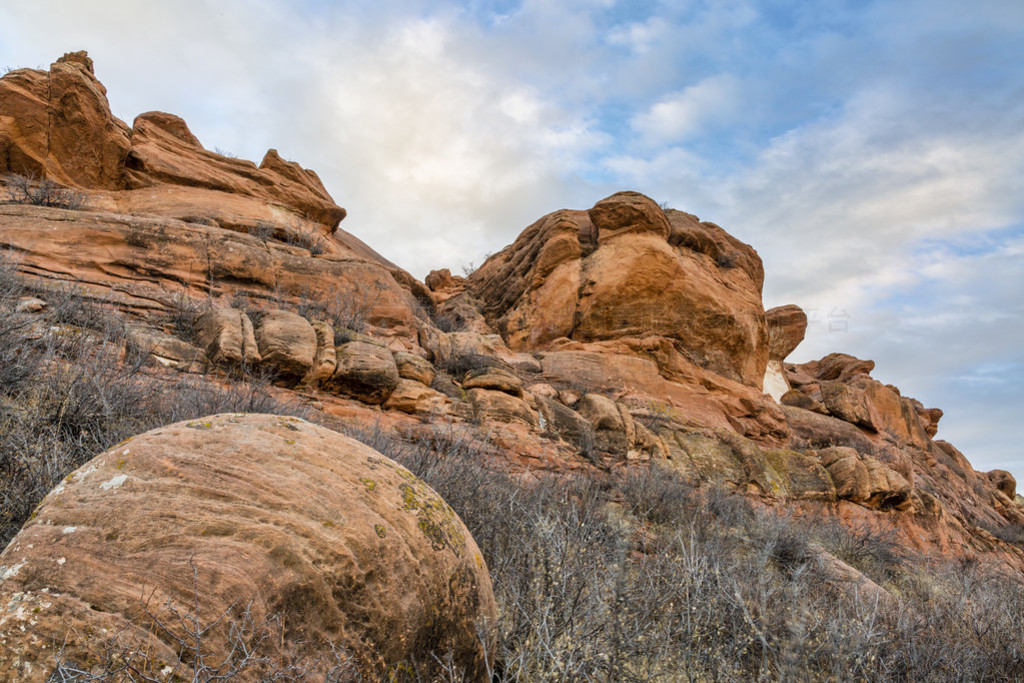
[{"x": 57, "y": 124}]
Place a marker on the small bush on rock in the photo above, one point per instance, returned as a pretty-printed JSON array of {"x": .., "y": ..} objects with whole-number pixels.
[{"x": 22, "y": 189}]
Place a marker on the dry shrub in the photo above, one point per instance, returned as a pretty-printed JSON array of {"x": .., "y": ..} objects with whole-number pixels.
[
  {"x": 23, "y": 189},
  {"x": 71, "y": 389},
  {"x": 714, "y": 588}
]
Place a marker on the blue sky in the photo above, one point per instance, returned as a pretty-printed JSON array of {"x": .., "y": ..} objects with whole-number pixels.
[{"x": 873, "y": 152}]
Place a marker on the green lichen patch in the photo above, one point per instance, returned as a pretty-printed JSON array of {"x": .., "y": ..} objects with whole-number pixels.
[
  {"x": 436, "y": 519},
  {"x": 381, "y": 531}
]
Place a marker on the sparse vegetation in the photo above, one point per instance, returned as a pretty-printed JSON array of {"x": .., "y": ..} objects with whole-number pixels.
[
  {"x": 23, "y": 189},
  {"x": 686, "y": 582},
  {"x": 727, "y": 259},
  {"x": 70, "y": 389},
  {"x": 262, "y": 230},
  {"x": 633, "y": 575}
]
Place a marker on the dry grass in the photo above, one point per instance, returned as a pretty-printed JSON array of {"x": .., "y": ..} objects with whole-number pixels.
[{"x": 650, "y": 578}]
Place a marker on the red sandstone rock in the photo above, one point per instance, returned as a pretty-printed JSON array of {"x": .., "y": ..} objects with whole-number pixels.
[
  {"x": 228, "y": 336},
  {"x": 57, "y": 124},
  {"x": 346, "y": 546},
  {"x": 612, "y": 274},
  {"x": 786, "y": 328},
  {"x": 365, "y": 371},
  {"x": 287, "y": 343}
]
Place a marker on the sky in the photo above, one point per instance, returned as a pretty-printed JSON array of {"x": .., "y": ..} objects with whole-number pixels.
[{"x": 872, "y": 152}]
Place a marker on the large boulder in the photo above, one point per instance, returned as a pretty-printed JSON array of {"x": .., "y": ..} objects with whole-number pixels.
[
  {"x": 228, "y": 336},
  {"x": 848, "y": 404},
  {"x": 415, "y": 398},
  {"x": 365, "y": 371},
  {"x": 287, "y": 342},
  {"x": 164, "y": 349},
  {"x": 786, "y": 328},
  {"x": 493, "y": 377},
  {"x": 489, "y": 404},
  {"x": 1004, "y": 482},
  {"x": 286, "y": 520},
  {"x": 626, "y": 269},
  {"x": 864, "y": 479},
  {"x": 411, "y": 366}
]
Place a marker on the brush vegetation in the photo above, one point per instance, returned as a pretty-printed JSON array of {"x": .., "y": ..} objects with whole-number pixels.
[{"x": 640, "y": 575}]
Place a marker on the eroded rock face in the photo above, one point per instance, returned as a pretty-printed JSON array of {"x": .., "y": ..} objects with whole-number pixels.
[
  {"x": 228, "y": 336},
  {"x": 786, "y": 328},
  {"x": 287, "y": 342},
  {"x": 626, "y": 269},
  {"x": 58, "y": 124},
  {"x": 365, "y": 371},
  {"x": 165, "y": 152},
  {"x": 160, "y": 204},
  {"x": 346, "y": 546}
]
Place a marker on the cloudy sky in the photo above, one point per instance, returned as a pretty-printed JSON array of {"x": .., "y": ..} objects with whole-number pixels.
[{"x": 873, "y": 152}]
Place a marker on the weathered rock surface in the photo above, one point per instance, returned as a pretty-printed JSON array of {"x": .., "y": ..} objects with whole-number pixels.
[
  {"x": 346, "y": 546},
  {"x": 863, "y": 479},
  {"x": 412, "y": 397},
  {"x": 287, "y": 342},
  {"x": 228, "y": 336},
  {"x": 165, "y": 349},
  {"x": 165, "y": 152},
  {"x": 786, "y": 328},
  {"x": 365, "y": 371},
  {"x": 615, "y": 272},
  {"x": 847, "y": 405},
  {"x": 58, "y": 124},
  {"x": 1004, "y": 482},
  {"x": 325, "y": 360},
  {"x": 496, "y": 378},
  {"x": 490, "y": 404},
  {"x": 411, "y": 366}
]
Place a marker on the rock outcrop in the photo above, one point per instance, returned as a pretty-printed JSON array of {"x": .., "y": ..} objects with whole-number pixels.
[
  {"x": 231, "y": 512},
  {"x": 161, "y": 206},
  {"x": 786, "y": 328},
  {"x": 596, "y": 339},
  {"x": 623, "y": 270},
  {"x": 58, "y": 125}
]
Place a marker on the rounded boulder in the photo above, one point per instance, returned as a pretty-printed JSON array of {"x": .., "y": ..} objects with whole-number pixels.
[{"x": 329, "y": 549}]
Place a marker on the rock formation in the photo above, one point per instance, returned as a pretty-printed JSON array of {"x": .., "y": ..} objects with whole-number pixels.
[
  {"x": 164, "y": 213},
  {"x": 626, "y": 270},
  {"x": 291, "y": 520},
  {"x": 597, "y": 339}
]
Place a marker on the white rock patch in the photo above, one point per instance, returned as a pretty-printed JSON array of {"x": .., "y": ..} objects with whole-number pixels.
[
  {"x": 775, "y": 382},
  {"x": 114, "y": 483}
]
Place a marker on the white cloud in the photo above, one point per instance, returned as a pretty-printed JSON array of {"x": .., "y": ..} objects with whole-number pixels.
[
  {"x": 683, "y": 114},
  {"x": 641, "y": 37}
]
